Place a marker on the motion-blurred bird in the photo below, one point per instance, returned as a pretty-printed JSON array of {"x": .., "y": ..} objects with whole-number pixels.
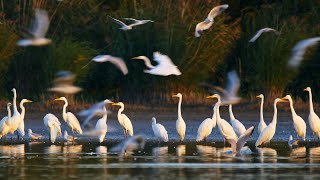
[
  {"x": 118, "y": 62},
  {"x": 299, "y": 50},
  {"x": 126, "y": 27},
  {"x": 63, "y": 83},
  {"x": 165, "y": 65},
  {"x": 38, "y": 30},
  {"x": 33, "y": 135},
  {"x": 202, "y": 26},
  {"x": 129, "y": 145},
  {"x": 237, "y": 145},
  {"x": 263, "y": 30}
]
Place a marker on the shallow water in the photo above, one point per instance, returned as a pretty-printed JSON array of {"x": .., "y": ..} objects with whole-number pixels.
[{"x": 167, "y": 161}]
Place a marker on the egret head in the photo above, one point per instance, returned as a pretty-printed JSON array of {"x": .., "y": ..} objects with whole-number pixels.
[
  {"x": 213, "y": 96},
  {"x": 25, "y": 101},
  {"x": 260, "y": 96},
  {"x": 279, "y": 100},
  {"x": 154, "y": 120},
  {"x": 179, "y": 95},
  {"x": 307, "y": 89},
  {"x": 8, "y": 105},
  {"x": 107, "y": 101},
  {"x": 118, "y": 104},
  {"x": 13, "y": 89},
  {"x": 286, "y": 98},
  {"x": 61, "y": 99}
]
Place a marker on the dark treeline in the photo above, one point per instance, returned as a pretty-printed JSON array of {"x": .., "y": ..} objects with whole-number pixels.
[{"x": 80, "y": 30}]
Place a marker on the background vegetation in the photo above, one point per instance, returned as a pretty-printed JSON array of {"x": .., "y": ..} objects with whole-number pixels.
[{"x": 80, "y": 30}]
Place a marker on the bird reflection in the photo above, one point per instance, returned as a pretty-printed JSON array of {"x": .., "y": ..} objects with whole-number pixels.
[
  {"x": 13, "y": 150},
  {"x": 267, "y": 155},
  {"x": 206, "y": 150},
  {"x": 63, "y": 83},
  {"x": 53, "y": 149},
  {"x": 160, "y": 154},
  {"x": 298, "y": 154},
  {"x": 102, "y": 150},
  {"x": 314, "y": 154},
  {"x": 181, "y": 150},
  {"x": 72, "y": 149}
]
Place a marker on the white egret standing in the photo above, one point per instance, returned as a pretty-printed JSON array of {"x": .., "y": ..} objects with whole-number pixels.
[
  {"x": 180, "y": 124},
  {"x": 101, "y": 126},
  {"x": 70, "y": 118},
  {"x": 298, "y": 123},
  {"x": 124, "y": 120},
  {"x": 263, "y": 30},
  {"x": 15, "y": 119},
  {"x": 22, "y": 114},
  {"x": 237, "y": 126},
  {"x": 33, "y": 135},
  {"x": 159, "y": 131},
  {"x": 262, "y": 124},
  {"x": 267, "y": 134},
  {"x": 53, "y": 125},
  {"x": 206, "y": 126},
  {"x": 5, "y": 123},
  {"x": 313, "y": 119}
]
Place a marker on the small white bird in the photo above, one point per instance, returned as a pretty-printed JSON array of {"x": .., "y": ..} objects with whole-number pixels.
[
  {"x": 237, "y": 126},
  {"x": 159, "y": 131},
  {"x": 69, "y": 117},
  {"x": 298, "y": 123},
  {"x": 263, "y": 30},
  {"x": 38, "y": 30},
  {"x": 202, "y": 26},
  {"x": 206, "y": 126},
  {"x": 129, "y": 27},
  {"x": 165, "y": 65},
  {"x": 313, "y": 118},
  {"x": 5, "y": 123},
  {"x": 118, "y": 62},
  {"x": 237, "y": 145},
  {"x": 299, "y": 49},
  {"x": 52, "y": 123},
  {"x": 68, "y": 138},
  {"x": 124, "y": 120},
  {"x": 292, "y": 142},
  {"x": 33, "y": 135},
  {"x": 129, "y": 145},
  {"x": 180, "y": 124},
  {"x": 267, "y": 134},
  {"x": 262, "y": 124},
  {"x": 217, "y": 10}
]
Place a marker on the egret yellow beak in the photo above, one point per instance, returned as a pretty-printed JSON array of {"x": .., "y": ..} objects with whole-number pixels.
[
  {"x": 135, "y": 58},
  {"x": 28, "y": 101},
  {"x": 258, "y": 96},
  {"x": 110, "y": 102},
  {"x": 174, "y": 95},
  {"x": 305, "y": 89},
  {"x": 213, "y": 96},
  {"x": 59, "y": 99},
  {"x": 283, "y": 100},
  {"x": 114, "y": 104}
]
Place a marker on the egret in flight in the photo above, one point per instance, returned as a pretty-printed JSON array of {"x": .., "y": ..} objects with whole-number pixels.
[
  {"x": 263, "y": 30},
  {"x": 126, "y": 27},
  {"x": 159, "y": 131},
  {"x": 118, "y": 62},
  {"x": 124, "y": 120},
  {"x": 180, "y": 124}
]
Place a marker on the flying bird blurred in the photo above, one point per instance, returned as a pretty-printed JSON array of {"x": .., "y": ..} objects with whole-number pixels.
[
  {"x": 237, "y": 145},
  {"x": 165, "y": 65},
  {"x": 126, "y": 27},
  {"x": 258, "y": 33},
  {"x": 299, "y": 50},
  {"x": 129, "y": 145},
  {"x": 201, "y": 26},
  {"x": 114, "y": 60},
  {"x": 37, "y": 31},
  {"x": 63, "y": 83}
]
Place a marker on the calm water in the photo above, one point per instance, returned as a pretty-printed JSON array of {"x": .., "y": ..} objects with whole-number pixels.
[{"x": 165, "y": 161}]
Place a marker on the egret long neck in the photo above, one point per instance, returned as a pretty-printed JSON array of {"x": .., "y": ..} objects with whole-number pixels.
[
  {"x": 9, "y": 116},
  {"x": 179, "y": 108},
  {"x": 23, "y": 110},
  {"x": 64, "y": 110},
  {"x": 261, "y": 110},
  {"x": 105, "y": 115},
  {"x": 274, "y": 120},
  {"x": 120, "y": 111},
  {"x": 230, "y": 112},
  {"x": 310, "y": 101},
  {"x": 218, "y": 113},
  {"x": 15, "y": 109},
  {"x": 147, "y": 62},
  {"x": 293, "y": 112}
]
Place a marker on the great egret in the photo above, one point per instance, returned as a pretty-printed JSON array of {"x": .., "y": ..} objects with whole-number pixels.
[
  {"x": 129, "y": 27},
  {"x": 69, "y": 117},
  {"x": 237, "y": 126},
  {"x": 124, "y": 120},
  {"x": 298, "y": 123},
  {"x": 313, "y": 119},
  {"x": 39, "y": 29},
  {"x": 22, "y": 114},
  {"x": 267, "y": 134},
  {"x": 118, "y": 62},
  {"x": 299, "y": 50},
  {"x": 129, "y": 145},
  {"x": 262, "y": 124},
  {"x": 224, "y": 127},
  {"x": 5, "y": 123},
  {"x": 180, "y": 124},
  {"x": 33, "y": 135},
  {"x": 206, "y": 126},
  {"x": 101, "y": 126},
  {"x": 292, "y": 142},
  {"x": 165, "y": 65},
  {"x": 263, "y": 30},
  {"x": 52, "y": 123},
  {"x": 159, "y": 131},
  {"x": 202, "y": 26},
  {"x": 237, "y": 145},
  {"x": 217, "y": 10},
  {"x": 68, "y": 138}
]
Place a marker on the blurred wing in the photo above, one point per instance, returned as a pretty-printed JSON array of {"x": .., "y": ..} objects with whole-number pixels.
[
  {"x": 117, "y": 21},
  {"x": 131, "y": 19},
  {"x": 233, "y": 144},
  {"x": 119, "y": 63},
  {"x": 201, "y": 27},
  {"x": 243, "y": 138},
  {"x": 258, "y": 34},
  {"x": 162, "y": 59},
  {"x": 216, "y": 11},
  {"x": 96, "y": 107},
  {"x": 41, "y": 23},
  {"x": 233, "y": 83}
]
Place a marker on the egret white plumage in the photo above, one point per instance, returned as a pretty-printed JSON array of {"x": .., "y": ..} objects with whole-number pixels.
[
  {"x": 118, "y": 62},
  {"x": 129, "y": 145},
  {"x": 124, "y": 120},
  {"x": 126, "y": 27},
  {"x": 299, "y": 50},
  {"x": 63, "y": 83},
  {"x": 263, "y": 30},
  {"x": 314, "y": 121},
  {"x": 262, "y": 124},
  {"x": 52, "y": 123},
  {"x": 101, "y": 126},
  {"x": 237, "y": 126},
  {"x": 202, "y": 26},
  {"x": 237, "y": 145},
  {"x": 217, "y": 10},
  {"x": 69, "y": 117},
  {"x": 38, "y": 30},
  {"x": 33, "y": 135},
  {"x": 267, "y": 134},
  {"x": 5, "y": 123},
  {"x": 165, "y": 65},
  {"x": 224, "y": 127},
  {"x": 298, "y": 123},
  {"x": 22, "y": 114},
  {"x": 206, "y": 126},
  {"x": 159, "y": 131},
  {"x": 180, "y": 124},
  {"x": 292, "y": 142}
]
